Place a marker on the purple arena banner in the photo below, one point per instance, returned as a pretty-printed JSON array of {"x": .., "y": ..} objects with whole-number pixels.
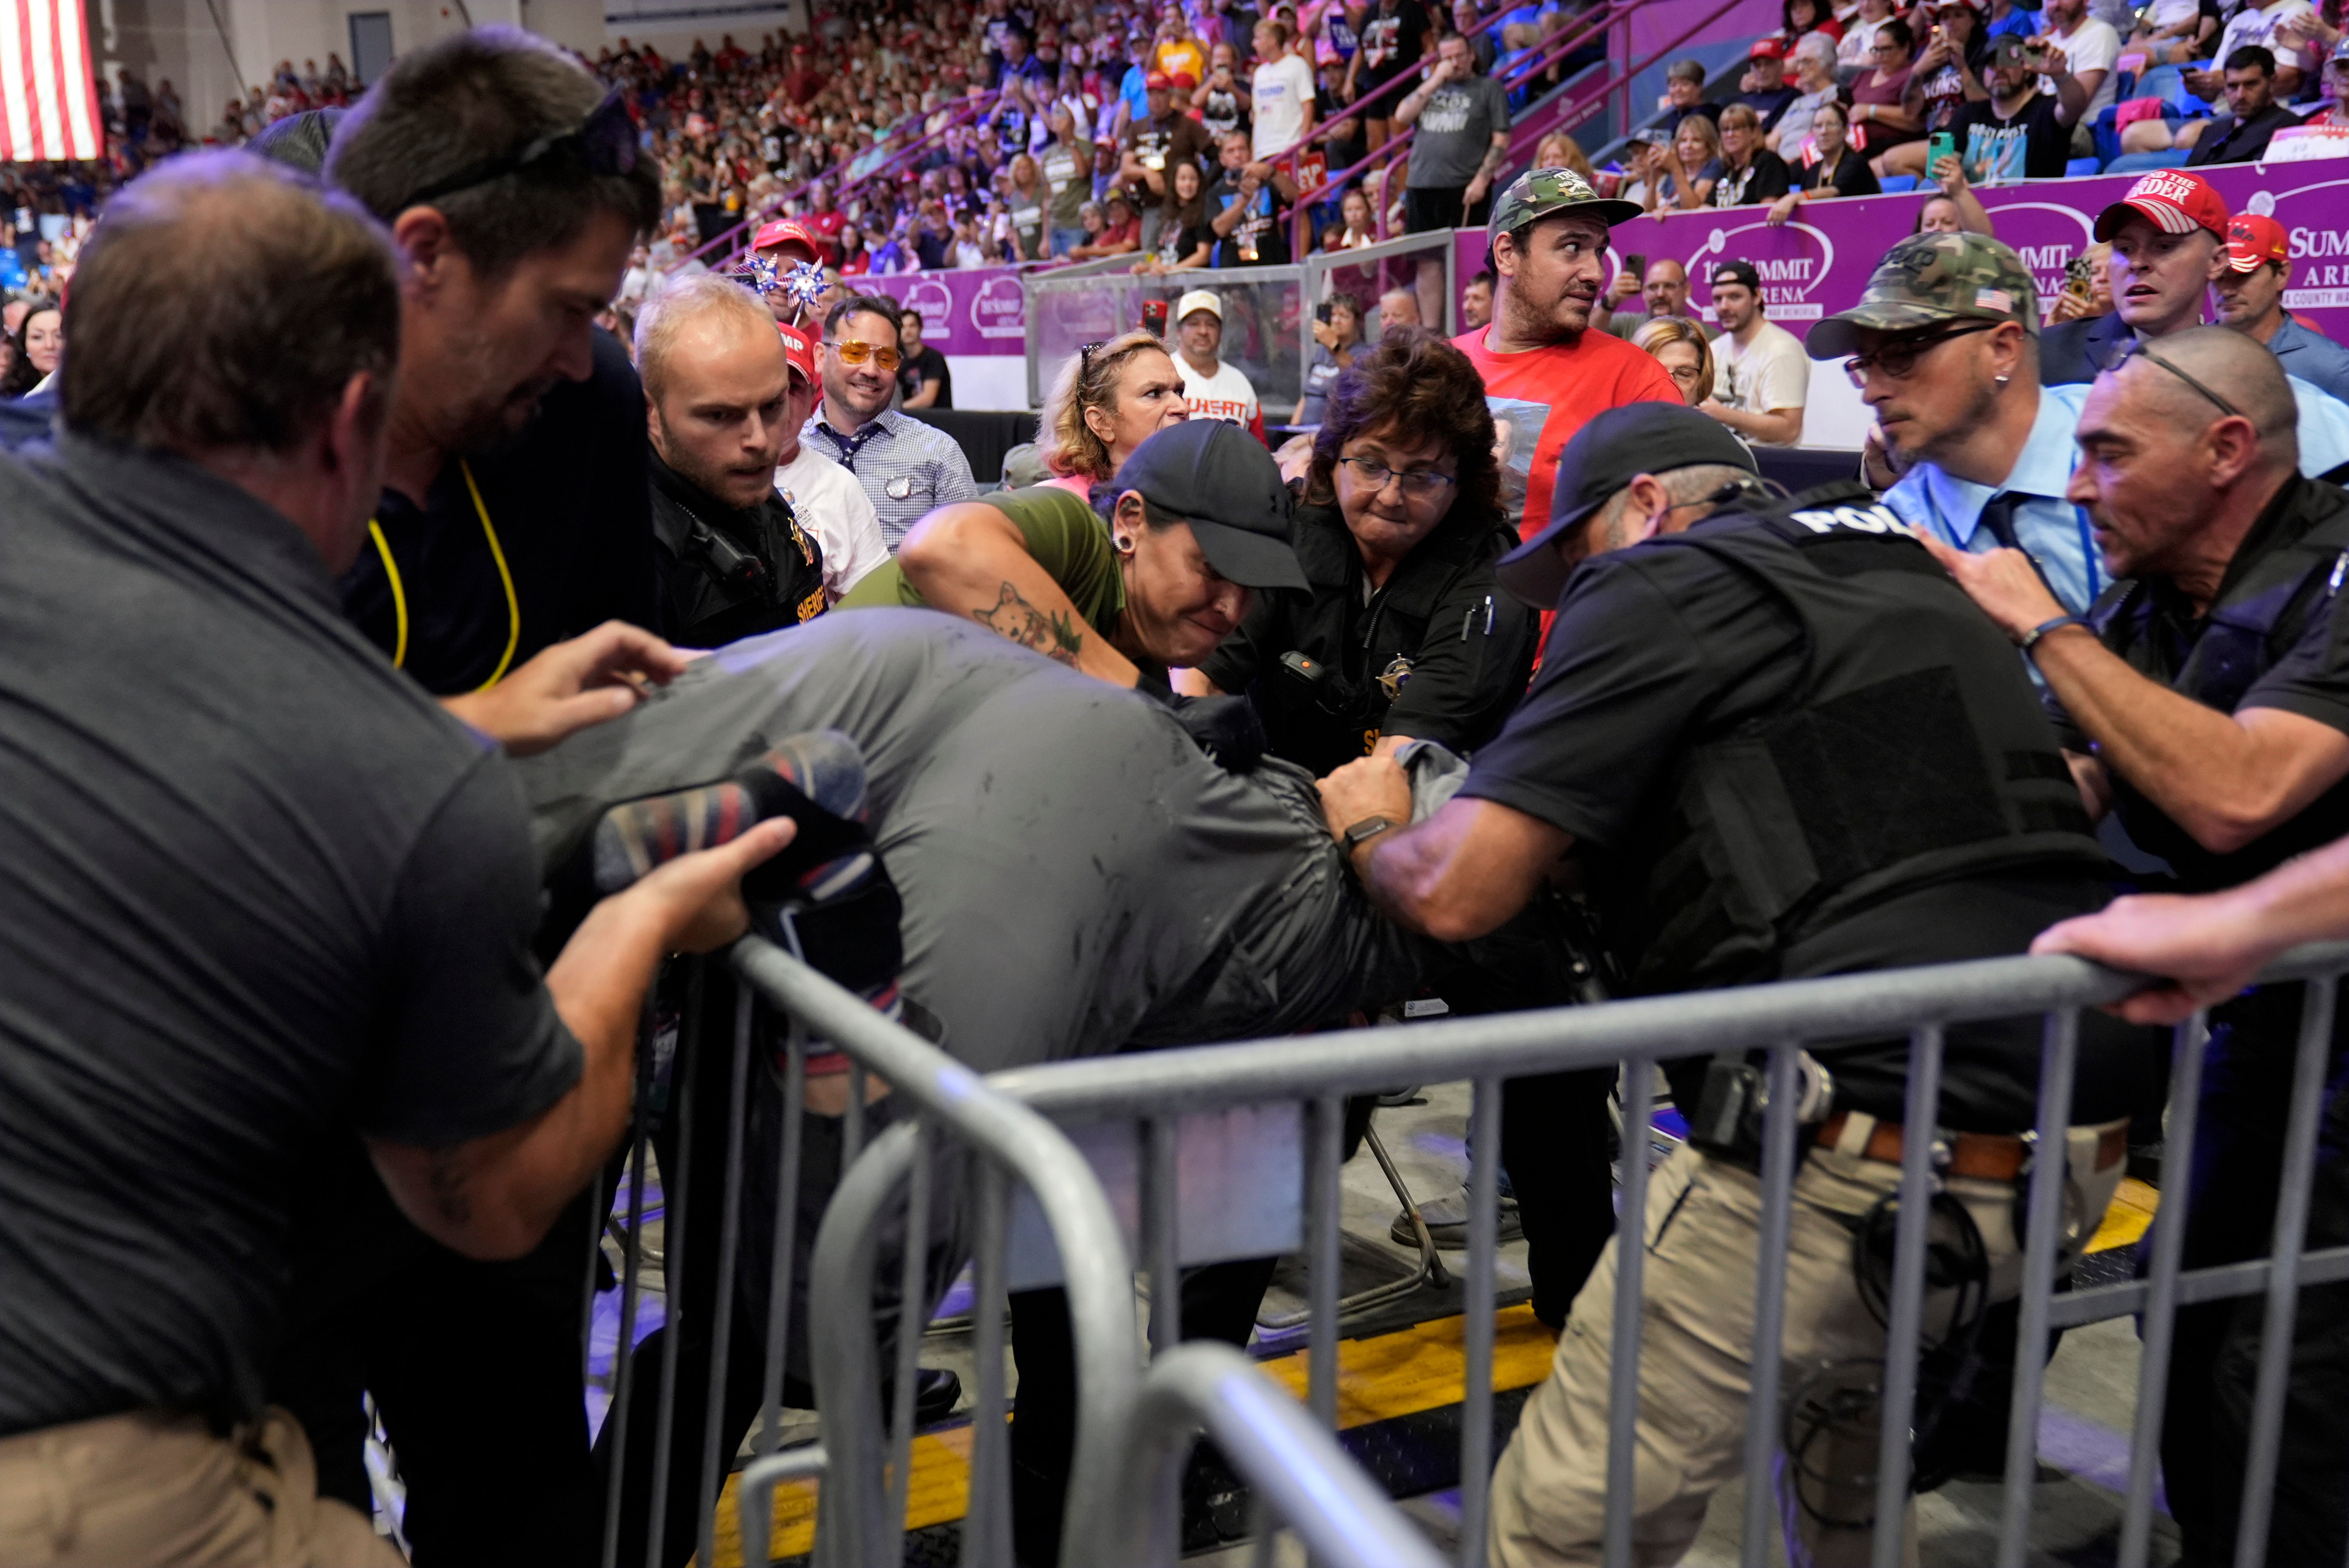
[
  {"x": 1818, "y": 264},
  {"x": 981, "y": 311}
]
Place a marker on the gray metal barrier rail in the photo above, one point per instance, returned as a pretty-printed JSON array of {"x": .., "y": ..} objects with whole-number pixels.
[
  {"x": 941, "y": 1111},
  {"x": 1307, "y": 1480},
  {"x": 1156, "y": 1089}
]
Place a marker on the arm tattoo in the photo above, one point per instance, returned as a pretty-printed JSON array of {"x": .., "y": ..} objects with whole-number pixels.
[{"x": 1054, "y": 635}]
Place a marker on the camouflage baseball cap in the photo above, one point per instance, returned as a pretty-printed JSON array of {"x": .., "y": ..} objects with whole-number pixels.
[
  {"x": 1539, "y": 192},
  {"x": 1931, "y": 278}
]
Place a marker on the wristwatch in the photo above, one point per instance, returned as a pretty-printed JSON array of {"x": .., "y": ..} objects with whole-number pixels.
[{"x": 1363, "y": 831}]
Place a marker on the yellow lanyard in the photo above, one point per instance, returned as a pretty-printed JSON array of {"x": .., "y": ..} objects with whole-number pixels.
[{"x": 399, "y": 594}]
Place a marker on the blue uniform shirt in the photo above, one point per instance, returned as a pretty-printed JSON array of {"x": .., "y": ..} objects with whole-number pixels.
[
  {"x": 2309, "y": 355},
  {"x": 2050, "y": 530}
]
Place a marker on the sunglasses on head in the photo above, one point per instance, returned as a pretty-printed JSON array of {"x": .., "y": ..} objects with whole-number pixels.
[
  {"x": 855, "y": 353},
  {"x": 2128, "y": 351},
  {"x": 605, "y": 141}
]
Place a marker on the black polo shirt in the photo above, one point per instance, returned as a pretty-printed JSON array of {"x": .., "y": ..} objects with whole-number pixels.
[
  {"x": 566, "y": 502},
  {"x": 1438, "y": 653},
  {"x": 2285, "y": 588},
  {"x": 260, "y": 890},
  {"x": 1658, "y": 649}
]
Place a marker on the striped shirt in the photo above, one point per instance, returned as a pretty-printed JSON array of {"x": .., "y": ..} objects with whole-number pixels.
[{"x": 907, "y": 467}]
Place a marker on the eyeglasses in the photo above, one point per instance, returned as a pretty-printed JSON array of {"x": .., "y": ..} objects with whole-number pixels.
[
  {"x": 1420, "y": 483},
  {"x": 605, "y": 141},
  {"x": 2128, "y": 351},
  {"x": 855, "y": 352},
  {"x": 1899, "y": 360}
]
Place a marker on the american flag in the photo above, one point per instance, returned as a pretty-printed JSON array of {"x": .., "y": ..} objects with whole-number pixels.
[{"x": 48, "y": 107}]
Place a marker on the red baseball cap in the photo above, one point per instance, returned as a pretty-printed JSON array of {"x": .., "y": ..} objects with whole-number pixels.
[
  {"x": 799, "y": 347},
  {"x": 1157, "y": 82},
  {"x": 1766, "y": 49},
  {"x": 789, "y": 231},
  {"x": 1184, "y": 81},
  {"x": 2253, "y": 239},
  {"x": 2177, "y": 202}
]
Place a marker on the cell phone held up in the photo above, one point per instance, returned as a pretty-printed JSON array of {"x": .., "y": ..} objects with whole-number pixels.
[
  {"x": 1939, "y": 145},
  {"x": 2077, "y": 282}
]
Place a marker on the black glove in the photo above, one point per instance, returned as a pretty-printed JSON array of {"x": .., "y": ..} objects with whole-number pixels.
[{"x": 1226, "y": 727}]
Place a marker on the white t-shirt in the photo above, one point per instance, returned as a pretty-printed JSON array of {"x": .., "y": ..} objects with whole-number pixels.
[
  {"x": 833, "y": 506},
  {"x": 2254, "y": 27},
  {"x": 1282, "y": 91},
  {"x": 2093, "y": 46},
  {"x": 1859, "y": 38},
  {"x": 1227, "y": 395},
  {"x": 1763, "y": 377}
]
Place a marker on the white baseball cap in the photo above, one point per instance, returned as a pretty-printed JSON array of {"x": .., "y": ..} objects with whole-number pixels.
[{"x": 1198, "y": 299}]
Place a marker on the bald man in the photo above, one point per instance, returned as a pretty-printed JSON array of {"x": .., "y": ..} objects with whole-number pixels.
[
  {"x": 2212, "y": 682},
  {"x": 733, "y": 558}
]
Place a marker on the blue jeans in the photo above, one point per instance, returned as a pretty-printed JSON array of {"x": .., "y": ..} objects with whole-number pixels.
[{"x": 1066, "y": 240}]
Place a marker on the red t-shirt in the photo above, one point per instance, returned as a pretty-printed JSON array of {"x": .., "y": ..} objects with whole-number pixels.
[{"x": 1575, "y": 381}]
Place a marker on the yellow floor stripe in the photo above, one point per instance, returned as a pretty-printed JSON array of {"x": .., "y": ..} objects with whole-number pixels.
[
  {"x": 1401, "y": 1373},
  {"x": 2125, "y": 1222},
  {"x": 1420, "y": 1368}
]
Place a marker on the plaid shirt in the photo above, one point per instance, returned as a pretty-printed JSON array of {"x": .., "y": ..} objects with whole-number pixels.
[{"x": 908, "y": 467}]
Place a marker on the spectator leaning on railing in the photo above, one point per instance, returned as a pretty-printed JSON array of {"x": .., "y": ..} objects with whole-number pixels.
[
  {"x": 1750, "y": 172},
  {"x": 2205, "y": 700}
]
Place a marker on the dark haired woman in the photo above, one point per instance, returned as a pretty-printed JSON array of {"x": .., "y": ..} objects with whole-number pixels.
[{"x": 1397, "y": 532}]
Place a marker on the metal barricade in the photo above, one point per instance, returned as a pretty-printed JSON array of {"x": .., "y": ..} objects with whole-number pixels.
[
  {"x": 1309, "y": 1482},
  {"x": 1155, "y": 1091},
  {"x": 1370, "y": 271},
  {"x": 1036, "y": 1214},
  {"x": 1266, "y": 326}
]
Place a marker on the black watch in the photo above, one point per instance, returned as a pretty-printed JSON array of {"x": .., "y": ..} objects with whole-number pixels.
[{"x": 1363, "y": 831}]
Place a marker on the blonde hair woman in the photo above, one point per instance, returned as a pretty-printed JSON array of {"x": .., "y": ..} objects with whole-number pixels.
[
  {"x": 1108, "y": 399},
  {"x": 1678, "y": 344},
  {"x": 1559, "y": 150}
]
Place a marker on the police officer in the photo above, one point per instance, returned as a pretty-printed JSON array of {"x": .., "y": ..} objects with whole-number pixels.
[
  {"x": 2205, "y": 697},
  {"x": 1402, "y": 633},
  {"x": 733, "y": 559},
  {"x": 1781, "y": 744}
]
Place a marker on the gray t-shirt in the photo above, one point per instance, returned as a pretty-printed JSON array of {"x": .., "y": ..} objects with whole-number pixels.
[
  {"x": 1077, "y": 878},
  {"x": 260, "y": 890},
  {"x": 1454, "y": 132}
]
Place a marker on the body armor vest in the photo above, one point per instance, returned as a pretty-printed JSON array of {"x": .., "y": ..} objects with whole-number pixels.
[{"x": 1911, "y": 749}]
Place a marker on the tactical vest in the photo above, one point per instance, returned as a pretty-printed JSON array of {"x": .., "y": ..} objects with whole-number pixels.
[
  {"x": 731, "y": 574},
  {"x": 2258, "y": 619},
  {"x": 1911, "y": 749}
]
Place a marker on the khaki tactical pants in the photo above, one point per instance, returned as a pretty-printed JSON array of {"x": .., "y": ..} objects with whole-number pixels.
[
  {"x": 1703, "y": 1227},
  {"x": 151, "y": 1489}
]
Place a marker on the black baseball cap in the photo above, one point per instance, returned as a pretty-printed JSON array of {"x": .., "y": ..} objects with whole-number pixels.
[
  {"x": 1605, "y": 454},
  {"x": 1220, "y": 479},
  {"x": 1737, "y": 273}
]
